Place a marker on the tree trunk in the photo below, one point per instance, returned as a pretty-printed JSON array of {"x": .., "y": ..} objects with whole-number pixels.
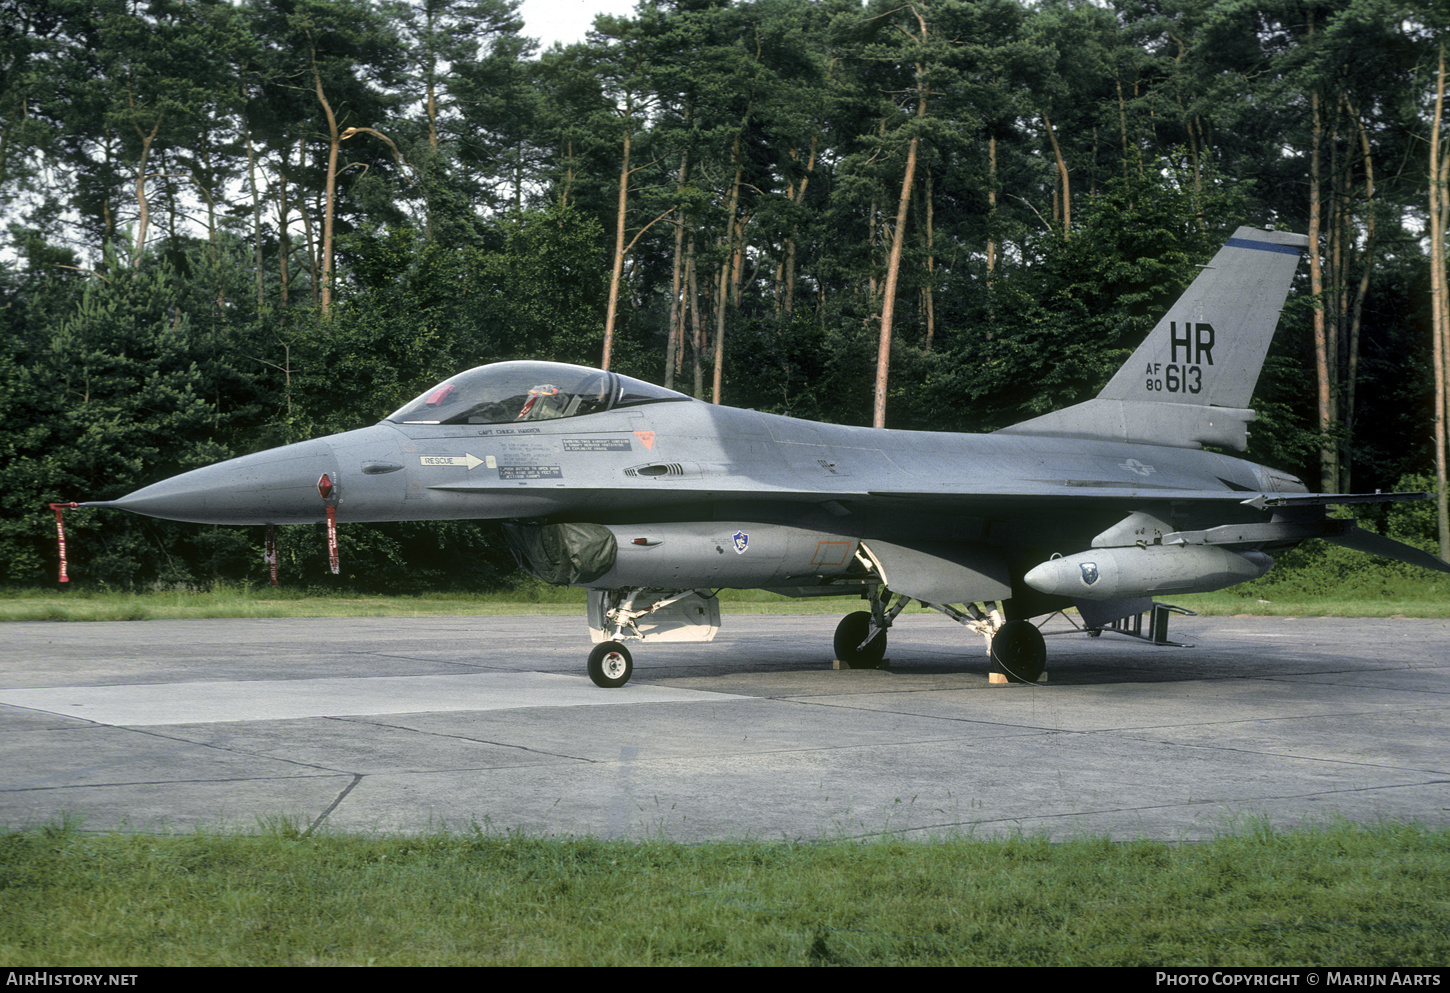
[
  {"x": 888, "y": 302},
  {"x": 1328, "y": 461},
  {"x": 893, "y": 266},
  {"x": 257, "y": 255},
  {"x": 1356, "y": 315},
  {"x": 617, "y": 272},
  {"x": 991, "y": 210},
  {"x": 143, "y": 210},
  {"x": 334, "y": 142},
  {"x": 725, "y": 264},
  {"x": 1062, "y": 177},
  {"x": 697, "y": 326},
  {"x": 675, "y": 343},
  {"x": 284, "y": 237},
  {"x": 1440, "y": 300},
  {"x": 929, "y": 291}
]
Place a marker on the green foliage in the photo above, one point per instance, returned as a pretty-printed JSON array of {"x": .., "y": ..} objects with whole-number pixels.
[
  {"x": 406, "y": 558},
  {"x": 536, "y": 292},
  {"x": 1059, "y": 328},
  {"x": 476, "y": 205},
  {"x": 110, "y": 398},
  {"x": 1413, "y": 523}
]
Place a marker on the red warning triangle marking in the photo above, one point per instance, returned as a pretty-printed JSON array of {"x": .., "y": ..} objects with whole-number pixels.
[{"x": 647, "y": 438}]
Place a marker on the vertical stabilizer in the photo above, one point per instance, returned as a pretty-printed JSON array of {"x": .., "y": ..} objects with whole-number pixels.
[
  {"x": 1209, "y": 347},
  {"x": 1191, "y": 380}
]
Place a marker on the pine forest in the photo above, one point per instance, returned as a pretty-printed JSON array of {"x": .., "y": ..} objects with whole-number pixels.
[{"x": 233, "y": 224}]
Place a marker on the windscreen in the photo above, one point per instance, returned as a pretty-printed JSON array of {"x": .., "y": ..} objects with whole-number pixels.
[{"x": 513, "y": 392}]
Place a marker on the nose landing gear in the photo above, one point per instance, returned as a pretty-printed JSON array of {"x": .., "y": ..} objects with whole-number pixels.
[{"x": 610, "y": 665}]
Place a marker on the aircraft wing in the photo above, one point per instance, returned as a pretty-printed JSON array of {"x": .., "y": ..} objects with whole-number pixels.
[
  {"x": 948, "y": 496},
  {"x": 1009, "y": 501},
  {"x": 1070, "y": 494}
]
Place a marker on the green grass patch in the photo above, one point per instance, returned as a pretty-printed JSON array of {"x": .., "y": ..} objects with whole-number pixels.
[
  {"x": 1316, "y": 579},
  {"x": 527, "y": 597},
  {"x": 263, "y": 601},
  {"x": 1340, "y": 895}
]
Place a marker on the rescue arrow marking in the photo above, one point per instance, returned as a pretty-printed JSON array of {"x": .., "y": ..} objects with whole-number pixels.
[{"x": 467, "y": 461}]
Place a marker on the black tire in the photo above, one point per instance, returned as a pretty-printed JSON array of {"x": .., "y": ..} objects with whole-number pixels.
[
  {"x": 849, "y": 633},
  {"x": 610, "y": 665},
  {"x": 1019, "y": 651}
]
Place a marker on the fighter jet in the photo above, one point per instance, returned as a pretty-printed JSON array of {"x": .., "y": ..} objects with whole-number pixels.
[{"x": 654, "y": 501}]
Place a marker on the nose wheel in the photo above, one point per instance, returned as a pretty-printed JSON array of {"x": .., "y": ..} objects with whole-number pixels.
[{"x": 610, "y": 665}]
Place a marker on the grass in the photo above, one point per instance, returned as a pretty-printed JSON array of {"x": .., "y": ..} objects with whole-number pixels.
[
  {"x": 231, "y": 601},
  {"x": 1340, "y": 895},
  {"x": 228, "y": 601},
  {"x": 1327, "y": 587},
  {"x": 1315, "y": 580}
]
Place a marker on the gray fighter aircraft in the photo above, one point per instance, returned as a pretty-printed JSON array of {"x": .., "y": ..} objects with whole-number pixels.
[{"x": 653, "y": 500}]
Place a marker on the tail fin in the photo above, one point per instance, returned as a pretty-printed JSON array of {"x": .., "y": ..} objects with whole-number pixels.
[{"x": 1190, "y": 382}]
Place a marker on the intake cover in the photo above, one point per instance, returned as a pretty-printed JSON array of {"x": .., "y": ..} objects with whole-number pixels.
[{"x": 562, "y": 554}]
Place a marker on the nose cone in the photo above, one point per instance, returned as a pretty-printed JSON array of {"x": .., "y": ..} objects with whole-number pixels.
[{"x": 278, "y": 486}]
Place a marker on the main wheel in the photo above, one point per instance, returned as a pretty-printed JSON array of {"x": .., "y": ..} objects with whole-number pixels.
[
  {"x": 850, "y": 633},
  {"x": 610, "y": 665},
  {"x": 1019, "y": 651}
]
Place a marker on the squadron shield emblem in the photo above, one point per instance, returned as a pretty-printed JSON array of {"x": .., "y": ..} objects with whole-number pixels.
[
  {"x": 741, "y": 540},
  {"x": 1089, "y": 572}
]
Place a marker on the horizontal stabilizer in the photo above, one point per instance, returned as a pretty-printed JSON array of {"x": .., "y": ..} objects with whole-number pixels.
[
  {"x": 1145, "y": 423},
  {"x": 1263, "y": 501},
  {"x": 1388, "y": 548}
]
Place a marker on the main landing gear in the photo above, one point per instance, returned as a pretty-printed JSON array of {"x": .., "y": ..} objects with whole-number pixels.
[
  {"x": 1019, "y": 651},
  {"x": 1016, "y": 647},
  {"x": 858, "y": 642}
]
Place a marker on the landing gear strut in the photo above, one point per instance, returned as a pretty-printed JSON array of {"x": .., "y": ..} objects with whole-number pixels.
[
  {"x": 1017, "y": 649},
  {"x": 860, "y": 640},
  {"x": 644, "y": 613},
  {"x": 852, "y": 646}
]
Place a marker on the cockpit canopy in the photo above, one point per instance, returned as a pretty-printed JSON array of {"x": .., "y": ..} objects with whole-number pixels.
[{"x": 513, "y": 392}]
